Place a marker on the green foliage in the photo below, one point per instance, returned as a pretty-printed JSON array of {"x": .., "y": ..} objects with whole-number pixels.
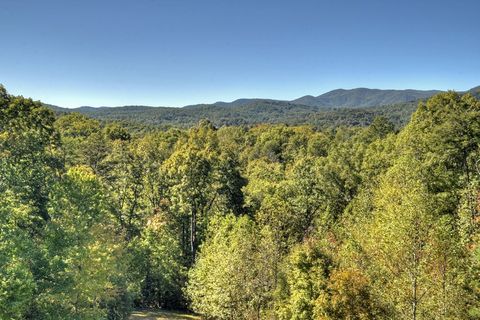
[
  {"x": 116, "y": 132},
  {"x": 28, "y": 157},
  {"x": 234, "y": 275},
  {"x": 58, "y": 255},
  {"x": 263, "y": 222},
  {"x": 165, "y": 273},
  {"x": 81, "y": 256},
  {"x": 302, "y": 281},
  {"x": 348, "y": 296},
  {"x": 76, "y": 125},
  {"x": 17, "y": 282}
]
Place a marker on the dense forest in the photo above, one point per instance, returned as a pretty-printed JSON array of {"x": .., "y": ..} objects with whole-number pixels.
[
  {"x": 265, "y": 221},
  {"x": 139, "y": 118}
]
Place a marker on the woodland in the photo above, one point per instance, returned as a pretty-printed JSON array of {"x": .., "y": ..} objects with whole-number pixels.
[{"x": 260, "y": 221}]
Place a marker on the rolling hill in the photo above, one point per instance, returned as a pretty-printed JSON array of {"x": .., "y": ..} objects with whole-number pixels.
[
  {"x": 363, "y": 97},
  {"x": 338, "y": 107}
]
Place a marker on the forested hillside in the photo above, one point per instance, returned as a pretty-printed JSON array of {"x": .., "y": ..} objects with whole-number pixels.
[
  {"x": 269, "y": 221},
  {"x": 356, "y": 107},
  {"x": 254, "y": 113},
  {"x": 364, "y": 97}
]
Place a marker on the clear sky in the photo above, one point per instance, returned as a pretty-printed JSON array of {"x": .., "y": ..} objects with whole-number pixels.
[{"x": 177, "y": 52}]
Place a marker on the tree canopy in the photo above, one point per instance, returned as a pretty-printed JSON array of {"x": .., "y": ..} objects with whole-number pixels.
[{"x": 271, "y": 221}]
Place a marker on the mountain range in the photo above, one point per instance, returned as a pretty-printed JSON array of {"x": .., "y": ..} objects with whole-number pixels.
[
  {"x": 350, "y": 107},
  {"x": 342, "y": 98}
]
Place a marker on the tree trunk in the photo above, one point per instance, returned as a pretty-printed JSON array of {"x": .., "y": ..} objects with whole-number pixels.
[
  {"x": 193, "y": 233},
  {"x": 414, "y": 289},
  {"x": 414, "y": 300},
  {"x": 444, "y": 287}
]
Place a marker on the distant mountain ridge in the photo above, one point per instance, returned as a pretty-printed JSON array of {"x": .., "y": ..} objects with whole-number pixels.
[
  {"x": 364, "y": 97},
  {"x": 345, "y": 98},
  {"x": 337, "y": 107},
  {"x": 475, "y": 91},
  {"x": 338, "y": 98}
]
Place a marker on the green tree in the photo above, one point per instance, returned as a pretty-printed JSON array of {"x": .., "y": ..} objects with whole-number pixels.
[
  {"x": 82, "y": 258},
  {"x": 193, "y": 185},
  {"x": 302, "y": 280},
  {"x": 28, "y": 152},
  {"x": 234, "y": 275},
  {"x": 348, "y": 296},
  {"x": 17, "y": 282},
  {"x": 403, "y": 247}
]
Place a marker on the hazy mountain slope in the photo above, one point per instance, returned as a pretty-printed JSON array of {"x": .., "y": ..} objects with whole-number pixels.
[
  {"x": 363, "y": 97},
  {"x": 338, "y": 107},
  {"x": 475, "y": 91},
  {"x": 352, "y": 98},
  {"x": 257, "y": 111}
]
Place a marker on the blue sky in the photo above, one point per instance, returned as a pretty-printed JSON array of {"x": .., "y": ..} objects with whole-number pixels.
[{"x": 178, "y": 52}]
